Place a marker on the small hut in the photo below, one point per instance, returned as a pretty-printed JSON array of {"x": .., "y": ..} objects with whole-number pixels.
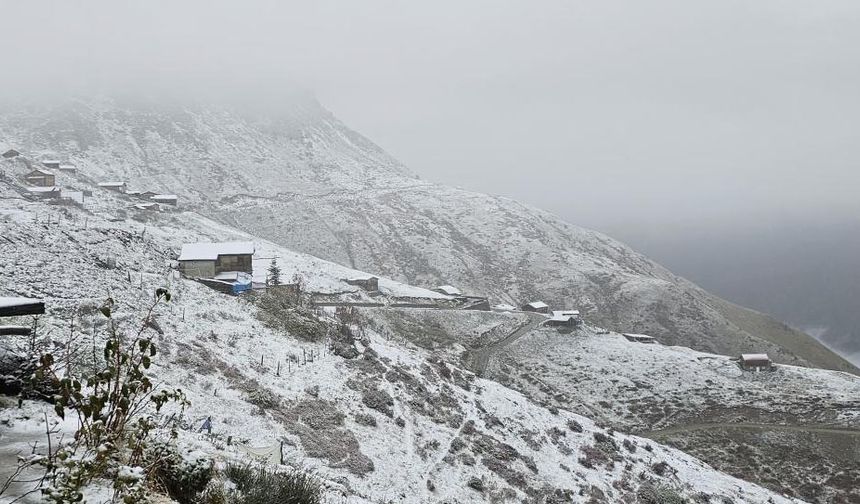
[
  {"x": 165, "y": 199},
  {"x": 205, "y": 260},
  {"x": 536, "y": 307},
  {"x": 52, "y": 192},
  {"x": 368, "y": 283},
  {"x": 119, "y": 187},
  {"x": 11, "y": 153},
  {"x": 756, "y": 362},
  {"x": 67, "y": 167},
  {"x": 640, "y": 338},
  {"x": 40, "y": 178},
  {"x": 564, "y": 318}
]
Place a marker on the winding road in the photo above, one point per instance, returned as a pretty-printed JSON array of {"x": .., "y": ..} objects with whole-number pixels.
[{"x": 481, "y": 356}]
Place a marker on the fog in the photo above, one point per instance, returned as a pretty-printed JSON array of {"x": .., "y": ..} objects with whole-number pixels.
[
  {"x": 612, "y": 114},
  {"x": 653, "y": 121}
]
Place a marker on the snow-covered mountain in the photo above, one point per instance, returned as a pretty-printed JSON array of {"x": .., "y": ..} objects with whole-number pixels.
[
  {"x": 299, "y": 177},
  {"x": 398, "y": 423}
]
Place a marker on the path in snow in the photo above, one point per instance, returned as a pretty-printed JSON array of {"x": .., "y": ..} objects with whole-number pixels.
[{"x": 481, "y": 356}]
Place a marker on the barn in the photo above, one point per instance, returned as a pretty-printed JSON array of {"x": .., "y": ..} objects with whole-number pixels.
[
  {"x": 536, "y": 307},
  {"x": 40, "y": 178},
  {"x": 206, "y": 260}
]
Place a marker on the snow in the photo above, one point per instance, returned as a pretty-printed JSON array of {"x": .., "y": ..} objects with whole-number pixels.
[
  {"x": 755, "y": 357},
  {"x": 537, "y": 305},
  {"x": 564, "y": 316},
  {"x": 449, "y": 290},
  {"x": 211, "y": 251},
  {"x": 215, "y": 348},
  {"x": 40, "y": 171},
  {"x": 164, "y": 197},
  {"x": 638, "y": 336},
  {"x": 43, "y": 189},
  {"x": 8, "y": 302},
  {"x": 111, "y": 184},
  {"x": 234, "y": 276}
]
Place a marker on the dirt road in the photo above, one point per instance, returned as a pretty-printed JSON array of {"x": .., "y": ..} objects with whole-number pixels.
[{"x": 481, "y": 357}]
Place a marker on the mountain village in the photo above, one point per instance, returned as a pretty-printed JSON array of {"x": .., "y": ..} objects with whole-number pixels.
[{"x": 386, "y": 390}]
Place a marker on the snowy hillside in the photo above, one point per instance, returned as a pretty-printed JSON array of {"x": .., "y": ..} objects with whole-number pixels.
[
  {"x": 300, "y": 178},
  {"x": 740, "y": 422},
  {"x": 394, "y": 424}
]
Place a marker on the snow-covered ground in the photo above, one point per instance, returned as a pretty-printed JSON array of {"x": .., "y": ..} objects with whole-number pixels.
[
  {"x": 650, "y": 386},
  {"x": 393, "y": 425}
]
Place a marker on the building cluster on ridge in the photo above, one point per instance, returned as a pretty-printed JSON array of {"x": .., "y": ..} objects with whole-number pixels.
[{"x": 41, "y": 181}]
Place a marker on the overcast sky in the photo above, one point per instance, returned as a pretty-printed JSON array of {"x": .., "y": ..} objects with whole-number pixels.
[{"x": 610, "y": 113}]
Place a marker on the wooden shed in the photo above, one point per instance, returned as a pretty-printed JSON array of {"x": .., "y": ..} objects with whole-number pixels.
[
  {"x": 536, "y": 307},
  {"x": 40, "y": 178},
  {"x": 206, "y": 260}
]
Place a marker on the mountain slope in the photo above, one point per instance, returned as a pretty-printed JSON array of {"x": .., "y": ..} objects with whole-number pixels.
[
  {"x": 393, "y": 425},
  {"x": 302, "y": 179}
]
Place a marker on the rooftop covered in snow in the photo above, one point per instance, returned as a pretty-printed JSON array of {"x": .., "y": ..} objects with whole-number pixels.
[
  {"x": 449, "y": 290},
  {"x": 754, "y": 357},
  {"x": 15, "y": 306},
  {"x": 211, "y": 251}
]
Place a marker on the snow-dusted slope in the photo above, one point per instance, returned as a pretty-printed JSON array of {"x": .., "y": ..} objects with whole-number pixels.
[
  {"x": 439, "y": 433},
  {"x": 300, "y": 178},
  {"x": 794, "y": 430}
]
